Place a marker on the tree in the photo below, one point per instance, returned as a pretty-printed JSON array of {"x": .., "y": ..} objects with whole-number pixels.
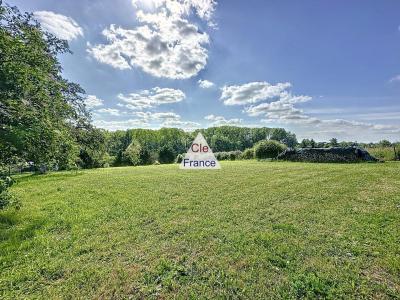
[
  {"x": 38, "y": 108},
  {"x": 312, "y": 143},
  {"x": 92, "y": 146},
  {"x": 268, "y": 149},
  {"x": 305, "y": 143},
  {"x": 385, "y": 143},
  {"x": 166, "y": 155},
  {"x": 333, "y": 142},
  {"x": 220, "y": 143},
  {"x": 132, "y": 154}
]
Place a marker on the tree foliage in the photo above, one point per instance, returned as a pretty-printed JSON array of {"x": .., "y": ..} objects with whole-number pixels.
[
  {"x": 268, "y": 149},
  {"x": 38, "y": 107}
]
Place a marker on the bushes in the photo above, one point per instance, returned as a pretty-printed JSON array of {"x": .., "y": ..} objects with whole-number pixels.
[
  {"x": 6, "y": 198},
  {"x": 268, "y": 149},
  {"x": 235, "y": 155},
  {"x": 248, "y": 154},
  {"x": 231, "y": 155}
]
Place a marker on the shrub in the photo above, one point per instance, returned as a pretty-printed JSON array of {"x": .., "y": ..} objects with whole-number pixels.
[
  {"x": 268, "y": 149},
  {"x": 232, "y": 155},
  {"x": 166, "y": 155},
  {"x": 248, "y": 154},
  {"x": 6, "y": 198},
  {"x": 221, "y": 155},
  {"x": 179, "y": 158}
]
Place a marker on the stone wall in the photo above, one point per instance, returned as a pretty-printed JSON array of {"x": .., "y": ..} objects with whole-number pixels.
[{"x": 335, "y": 154}]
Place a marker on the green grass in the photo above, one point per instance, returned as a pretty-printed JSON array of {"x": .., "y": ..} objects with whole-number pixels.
[{"x": 251, "y": 230}]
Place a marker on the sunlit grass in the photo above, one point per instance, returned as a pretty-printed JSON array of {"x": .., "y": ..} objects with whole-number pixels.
[{"x": 250, "y": 230}]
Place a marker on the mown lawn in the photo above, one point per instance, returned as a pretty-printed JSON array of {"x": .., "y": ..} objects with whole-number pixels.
[{"x": 251, "y": 230}]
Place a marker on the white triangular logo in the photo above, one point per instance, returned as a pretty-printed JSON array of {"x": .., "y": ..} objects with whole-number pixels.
[{"x": 199, "y": 156}]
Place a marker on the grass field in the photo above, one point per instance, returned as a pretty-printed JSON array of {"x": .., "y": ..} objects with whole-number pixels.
[{"x": 251, "y": 230}]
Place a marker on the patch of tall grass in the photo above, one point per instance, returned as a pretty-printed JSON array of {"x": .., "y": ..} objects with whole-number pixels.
[{"x": 384, "y": 153}]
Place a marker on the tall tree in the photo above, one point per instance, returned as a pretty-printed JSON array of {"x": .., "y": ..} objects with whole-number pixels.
[{"x": 38, "y": 107}]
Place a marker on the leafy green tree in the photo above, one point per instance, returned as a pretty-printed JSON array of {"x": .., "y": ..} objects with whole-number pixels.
[
  {"x": 385, "y": 143},
  {"x": 92, "y": 144},
  {"x": 220, "y": 143},
  {"x": 132, "y": 154},
  {"x": 333, "y": 142},
  {"x": 38, "y": 108},
  {"x": 305, "y": 143},
  {"x": 268, "y": 149},
  {"x": 166, "y": 155}
]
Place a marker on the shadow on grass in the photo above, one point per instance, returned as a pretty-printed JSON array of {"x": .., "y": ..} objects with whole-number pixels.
[
  {"x": 51, "y": 176},
  {"x": 12, "y": 233}
]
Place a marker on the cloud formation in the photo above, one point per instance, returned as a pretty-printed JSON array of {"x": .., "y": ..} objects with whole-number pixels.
[
  {"x": 252, "y": 92},
  {"x": 220, "y": 120},
  {"x": 205, "y": 84},
  {"x": 203, "y": 8},
  {"x": 147, "y": 119},
  {"x": 277, "y": 101},
  {"x": 166, "y": 45},
  {"x": 166, "y": 119},
  {"x": 152, "y": 98},
  {"x": 110, "y": 111},
  {"x": 61, "y": 26},
  {"x": 157, "y": 116},
  {"x": 92, "y": 101}
]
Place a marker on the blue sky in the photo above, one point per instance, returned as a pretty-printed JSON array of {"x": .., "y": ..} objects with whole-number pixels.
[{"x": 321, "y": 69}]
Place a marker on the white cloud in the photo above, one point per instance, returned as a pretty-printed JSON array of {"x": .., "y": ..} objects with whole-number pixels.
[
  {"x": 166, "y": 45},
  {"x": 220, "y": 120},
  {"x": 110, "y": 111},
  {"x": 203, "y": 8},
  {"x": 205, "y": 84},
  {"x": 252, "y": 92},
  {"x": 61, "y": 26},
  {"x": 92, "y": 101},
  {"x": 157, "y": 116},
  {"x": 277, "y": 107},
  {"x": 166, "y": 119},
  {"x": 152, "y": 98},
  {"x": 280, "y": 103}
]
